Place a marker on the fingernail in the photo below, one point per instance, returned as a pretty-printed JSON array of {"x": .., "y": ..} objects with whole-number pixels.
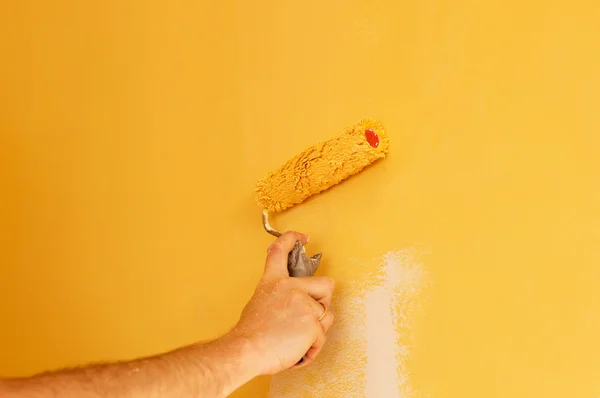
[{"x": 307, "y": 238}]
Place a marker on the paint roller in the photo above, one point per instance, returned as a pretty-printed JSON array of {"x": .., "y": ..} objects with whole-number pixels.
[{"x": 314, "y": 170}]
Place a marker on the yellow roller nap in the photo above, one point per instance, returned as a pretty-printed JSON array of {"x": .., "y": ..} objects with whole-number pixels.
[{"x": 322, "y": 166}]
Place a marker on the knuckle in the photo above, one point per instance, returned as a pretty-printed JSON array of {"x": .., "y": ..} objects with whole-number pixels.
[
  {"x": 330, "y": 283},
  {"x": 282, "y": 284},
  {"x": 274, "y": 247},
  {"x": 313, "y": 327},
  {"x": 297, "y": 296}
]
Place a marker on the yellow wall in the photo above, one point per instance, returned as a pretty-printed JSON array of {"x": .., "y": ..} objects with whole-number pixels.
[{"x": 132, "y": 132}]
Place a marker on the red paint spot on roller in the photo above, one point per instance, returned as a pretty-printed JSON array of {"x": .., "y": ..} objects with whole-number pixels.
[{"x": 372, "y": 138}]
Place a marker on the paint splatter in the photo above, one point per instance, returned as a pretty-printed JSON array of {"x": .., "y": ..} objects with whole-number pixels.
[{"x": 368, "y": 345}]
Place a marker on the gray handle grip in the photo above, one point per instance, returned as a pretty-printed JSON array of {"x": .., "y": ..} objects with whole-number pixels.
[{"x": 299, "y": 264}]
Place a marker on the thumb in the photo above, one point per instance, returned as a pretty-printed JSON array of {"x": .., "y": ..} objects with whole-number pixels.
[{"x": 277, "y": 254}]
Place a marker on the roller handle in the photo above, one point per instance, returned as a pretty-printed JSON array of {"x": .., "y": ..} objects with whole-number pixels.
[{"x": 299, "y": 264}]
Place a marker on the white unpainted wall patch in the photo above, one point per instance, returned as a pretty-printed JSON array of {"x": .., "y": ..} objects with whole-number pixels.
[{"x": 368, "y": 345}]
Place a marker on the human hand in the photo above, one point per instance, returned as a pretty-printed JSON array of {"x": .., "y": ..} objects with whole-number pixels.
[{"x": 281, "y": 320}]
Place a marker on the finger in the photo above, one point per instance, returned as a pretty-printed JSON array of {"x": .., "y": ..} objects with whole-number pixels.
[
  {"x": 315, "y": 349},
  {"x": 318, "y": 287},
  {"x": 318, "y": 308},
  {"x": 277, "y": 253},
  {"x": 327, "y": 321}
]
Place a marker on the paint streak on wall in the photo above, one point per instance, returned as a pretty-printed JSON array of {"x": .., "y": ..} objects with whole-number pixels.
[{"x": 368, "y": 345}]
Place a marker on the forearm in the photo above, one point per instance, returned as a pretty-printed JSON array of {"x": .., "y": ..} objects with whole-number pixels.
[{"x": 209, "y": 370}]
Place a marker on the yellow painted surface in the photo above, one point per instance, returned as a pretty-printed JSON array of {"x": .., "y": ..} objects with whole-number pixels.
[{"x": 132, "y": 134}]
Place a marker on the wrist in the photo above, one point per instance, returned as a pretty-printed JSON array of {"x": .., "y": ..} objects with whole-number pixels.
[
  {"x": 226, "y": 364},
  {"x": 246, "y": 354}
]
